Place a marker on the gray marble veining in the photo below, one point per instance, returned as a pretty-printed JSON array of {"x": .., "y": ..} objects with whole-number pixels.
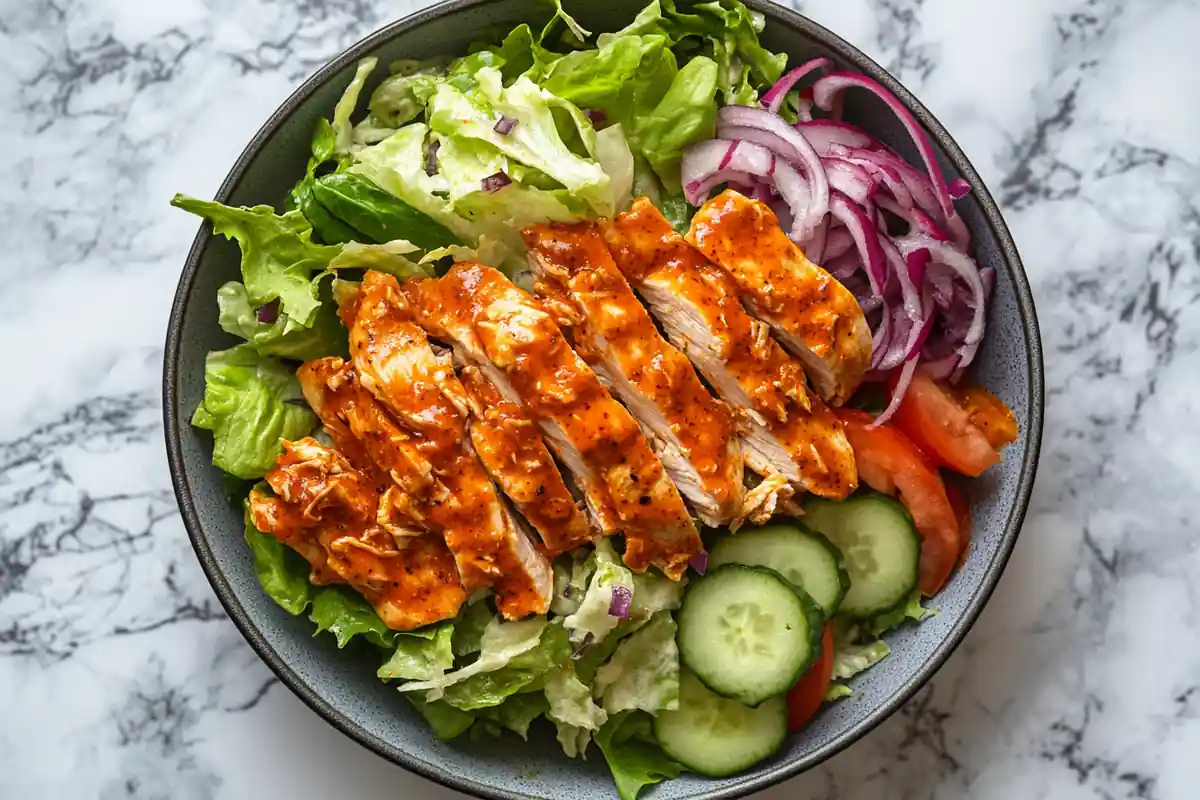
[{"x": 120, "y": 675}]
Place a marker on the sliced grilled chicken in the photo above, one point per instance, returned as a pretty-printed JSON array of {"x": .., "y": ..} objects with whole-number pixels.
[
  {"x": 325, "y": 509},
  {"x": 693, "y": 433},
  {"x": 510, "y": 446},
  {"x": 815, "y": 317},
  {"x": 442, "y": 491},
  {"x": 509, "y": 335},
  {"x": 788, "y": 431}
]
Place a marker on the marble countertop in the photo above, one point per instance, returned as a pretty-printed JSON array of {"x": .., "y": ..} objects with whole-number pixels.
[{"x": 120, "y": 676}]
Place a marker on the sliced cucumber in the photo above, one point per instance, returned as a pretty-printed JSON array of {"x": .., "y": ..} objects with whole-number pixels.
[
  {"x": 803, "y": 557},
  {"x": 747, "y": 633},
  {"x": 716, "y": 736},
  {"x": 879, "y": 547}
]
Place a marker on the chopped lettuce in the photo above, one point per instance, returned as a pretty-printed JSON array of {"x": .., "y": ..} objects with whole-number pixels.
[
  {"x": 644, "y": 671},
  {"x": 446, "y": 721},
  {"x": 911, "y": 610},
  {"x": 516, "y": 713},
  {"x": 251, "y": 404},
  {"x": 382, "y": 217},
  {"x": 390, "y": 257},
  {"x": 653, "y": 592},
  {"x": 281, "y": 572},
  {"x": 400, "y": 98},
  {"x": 851, "y": 659},
  {"x": 572, "y": 709},
  {"x": 472, "y": 621},
  {"x": 343, "y": 130},
  {"x": 616, "y": 159},
  {"x": 523, "y": 673},
  {"x": 837, "y": 691},
  {"x": 346, "y": 614},
  {"x": 633, "y": 755},
  {"x": 421, "y": 657},
  {"x": 278, "y": 256},
  {"x": 281, "y": 337},
  {"x": 571, "y": 573},
  {"x": 592, "y": 619}
]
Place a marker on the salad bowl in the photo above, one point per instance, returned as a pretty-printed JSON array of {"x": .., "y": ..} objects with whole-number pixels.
[{"x": 339, "y": 684}]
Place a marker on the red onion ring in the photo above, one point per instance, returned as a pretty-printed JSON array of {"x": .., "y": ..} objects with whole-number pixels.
[{"x": 773, "y": 99}]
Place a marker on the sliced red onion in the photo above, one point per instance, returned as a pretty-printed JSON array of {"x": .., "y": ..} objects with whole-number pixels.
[
  {"x": 966, "y": 269},
  {"x": 822, "y": 134},
  {"x": 959, "y": 189},
  {"x": 843, "y": 266},
  {"x": 918, "y": 221},
  {"x": 827, "y": 89},
  {"x": 268, "y": 313},
  {"x": 850, "y": 179},
  {"x": 595, "y": 116},
  {"x": 773, "y": 99},
  {"x": 804, "y": 106},
  {"x": 882, "y": 339},
  {"x": 906, "y": 376},
  {"x": 783, "y": 212},
  {"x": 701, "y": 169},
  {"x": 866, "y": 238},
  {"x": 967, "y": 356},
  {"x": 940, "y": 369},
  {"x": 699, "y": 562},
  {"x": 496, "y": 182},
  {"x": 814, "y": 245},
  {"x": 728, "y": 155},
  {"x": 431, "y": 151},
  {"x": 504, "y": 126},
  {"x": 809, "y": 161},
  {"x": 838, "y": 241},
  {"x": 622, "y": 598}
]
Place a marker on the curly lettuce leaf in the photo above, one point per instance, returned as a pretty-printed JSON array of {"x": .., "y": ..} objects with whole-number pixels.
[
  {"x": 644, "y": 671},
  {"x": 421, "y": 657},
  {"x": 633, "y": 755},
  {"x": 283, "y": 338},
  {"x": 281, "y": 572},
  {"x": 279, "y": 258},
  {"x": 346, "y": 614},
  {"x": 251, "y": 404},
  {"x": 572, "y": 710}
]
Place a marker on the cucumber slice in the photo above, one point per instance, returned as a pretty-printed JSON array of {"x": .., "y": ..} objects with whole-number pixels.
[
  {"x": 716, "y": 736},
  {"x": 879, "y": 547},
  {"x": 805, "y": 558},
  {"x": 747, "y": 633}
]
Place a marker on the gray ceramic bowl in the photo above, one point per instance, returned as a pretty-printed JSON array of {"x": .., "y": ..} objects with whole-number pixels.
[{"x": 340, "y": 685}]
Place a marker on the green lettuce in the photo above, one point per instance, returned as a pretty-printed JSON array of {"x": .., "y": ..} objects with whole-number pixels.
[
  {"x": 472, "y": 621},
  {"x": 910, "y": 610},
  {"x": 523, "y": 673},
  {"x": 251, "y": 404},
  {"x": 281, "y": 571},
  {"x": 346, "y": 614},
  {"x": 400, "y": 98},
  {"x": 500, "y": 644},
  {"x": 644, "y": 671},
  {"x": 571, "y": 573},
  {"x": 421, "y": 657},
  {"x": 343, "y": 129},
  {"x": 851, "y": 659},
  {"x": 516, "y": 714},
  {"x": 382, "y": 217},
  {"x": 390, "y": 257},
  {"x": 283, "y": 337},
  {"x": 446, "y": 721},
  {"x": 593, "y": 618},
  {"x": 633, "y": 756},
  {"x": 572, "y": 710},
  {"x": 279, "y": 258}
]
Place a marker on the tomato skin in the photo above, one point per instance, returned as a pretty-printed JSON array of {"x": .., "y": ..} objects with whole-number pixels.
[
  {"x": 962, "y": 512},
  {"x": 806, "y": 696},
  {"x": 888, "y": 462},
  {"x": 934, "y": 420},
  {"x": 988, "y": 413}
]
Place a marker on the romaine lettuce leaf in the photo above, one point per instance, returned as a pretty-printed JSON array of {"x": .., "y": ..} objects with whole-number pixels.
[
  {"x": 516, "y": 713},
  {"x": 251, "y": 404},
  {"x": 653, "y": 592},
  {"x": 850, "y": 659},
  {"x": 523, "y": 673},
  {"x": 616, "y": 159},
  {"x": 593, "y": 618},
  {"x": 346, "y": 614},
  {"x": 278, "y": 256},
  {"x": 571, "y": 573},
  {"x": 446, "y": 721},
  {"x": 469, "y": 626},
  {"x": 911, "y": 610},
  {"x": 390, "y": 257},
  {"x": 500, "y": 644},
  {"x": 400, "y": 98},
  {"x": 343, "y": 130},
  {"x": 281, "y": 571},
  {"x": 687, "y": 113},
  {"x": 421, "y": 657},
  {"x": 572, "y": 710},
  {"x": 633, "y": 756},
  {"x": 382, "y": 217},
  {"x": 644, "y": 671},
  {"x": 283, "y": 337}
]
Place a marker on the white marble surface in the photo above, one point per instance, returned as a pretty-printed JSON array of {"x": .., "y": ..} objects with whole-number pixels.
[{"x": 120, "y": 675}]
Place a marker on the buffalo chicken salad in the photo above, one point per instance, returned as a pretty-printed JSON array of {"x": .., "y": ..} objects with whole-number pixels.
[{"x": 607, "y": 379}]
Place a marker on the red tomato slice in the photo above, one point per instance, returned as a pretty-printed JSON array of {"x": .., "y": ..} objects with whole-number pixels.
[
  {"x": 935, "y": 422},
  {"x": 888, "y": 462},
  {"x": 962, "y": 513},
  {"x": 806, "y": 696},
  {"x": 989, "y": 414}
]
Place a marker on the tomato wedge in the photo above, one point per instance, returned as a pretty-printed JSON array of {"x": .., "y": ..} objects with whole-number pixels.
[
  {"x": 962, "y": 512},
  {"x": 806, "y": 696},
  {"x": 934, "y": 420},
  {"x": 988, "y": 413},
  {"x": 888, "y": 462}
]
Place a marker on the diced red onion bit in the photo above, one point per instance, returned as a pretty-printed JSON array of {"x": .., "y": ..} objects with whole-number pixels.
[
  {"x": 496, "y": 182},
  {"x": 699, "y": 562},
  {"x": 884, "y": 228},
  {"x": 596, "y": 117},
  {"x": 505, "y": 125},
  {"x": 431, "y": 151},
  {"x": 268, "y": 313},
  {"x": 622, "y": 599}
]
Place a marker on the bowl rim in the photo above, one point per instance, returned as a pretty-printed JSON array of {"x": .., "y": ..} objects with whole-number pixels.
[{"x": 776, "y": 14}]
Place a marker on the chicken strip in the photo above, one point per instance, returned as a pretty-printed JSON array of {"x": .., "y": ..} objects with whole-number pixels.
[
  {"x": 511, "y": 449},
  {"x": 788, "y": 430},
  {"x": 509, "y": 335},
  {"x": 693, "y": 433},
  {"x": 814, "y": 316},
  {"x": 449, "y": 496},
  {"x": 325, "y": 506}
]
